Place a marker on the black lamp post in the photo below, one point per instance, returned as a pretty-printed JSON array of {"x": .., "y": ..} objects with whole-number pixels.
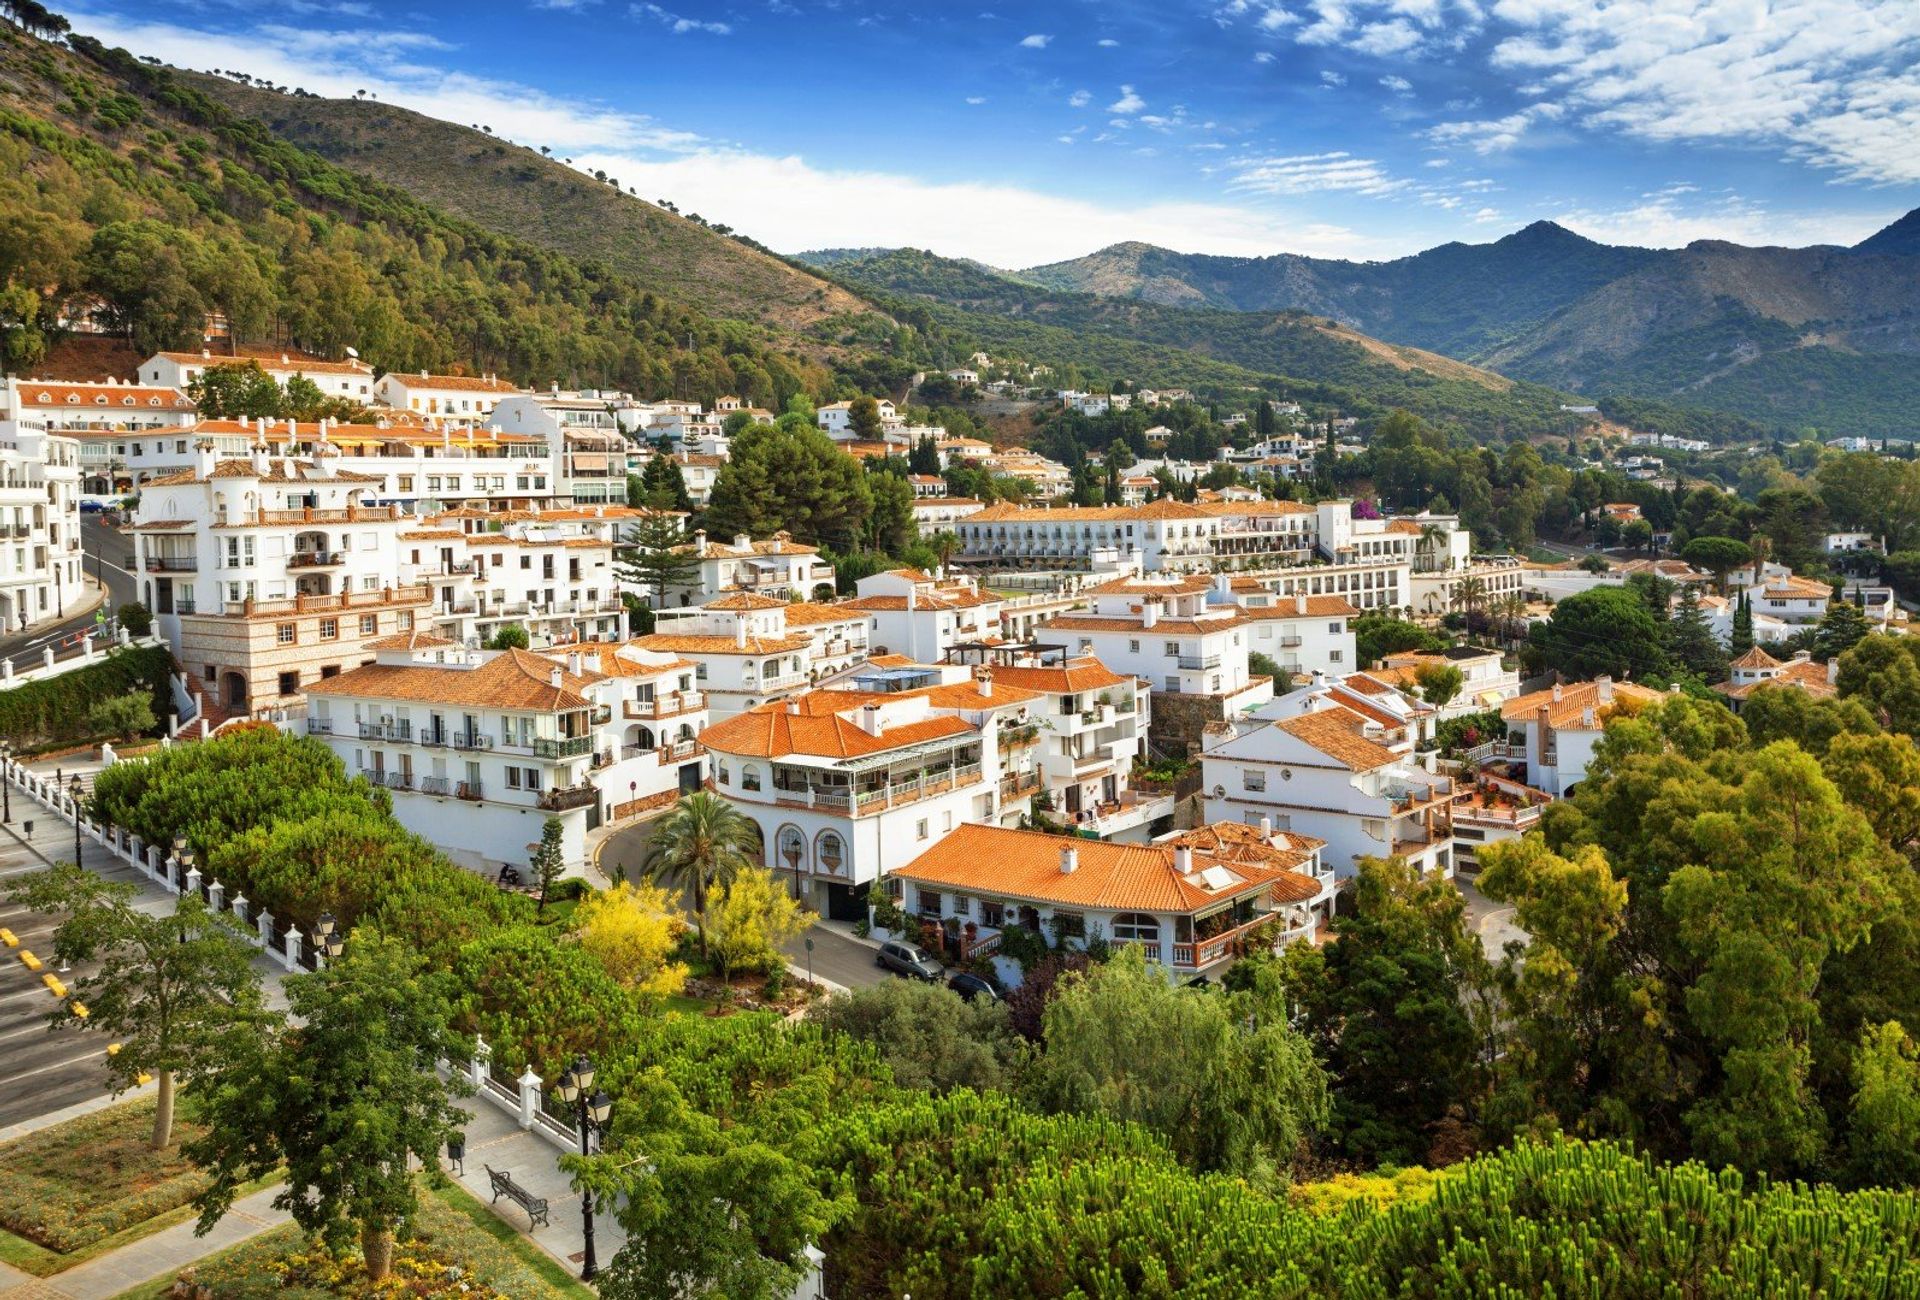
[
  {"x": 327, "y": 939},
  {"x": 182, "y": 860},
  {"x": 6, "y": 781},
  {"x": 75, "y": 788},
  {"x": 792, "y": 854},
  {"x": 574, "y": 1087}
]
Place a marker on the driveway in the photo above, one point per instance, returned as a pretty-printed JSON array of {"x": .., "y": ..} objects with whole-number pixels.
[{"x": 1492, "y": 921}]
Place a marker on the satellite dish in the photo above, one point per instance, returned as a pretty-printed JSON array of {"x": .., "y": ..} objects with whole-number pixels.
[
  {"x": 354, "y": 353},
  {"x": 1219, "y": 792}
]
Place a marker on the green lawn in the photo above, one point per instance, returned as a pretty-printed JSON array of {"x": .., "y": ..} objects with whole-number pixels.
[
  {"x": 78, "y": 1189},
  {"x": 458, "y": 1248}
]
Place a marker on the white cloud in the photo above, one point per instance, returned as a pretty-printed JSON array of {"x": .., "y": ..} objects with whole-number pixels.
[
  {"x": 1107, "y": 43},
  {"x": 1394, "y": 37},
  {"x": 1037, "y": 41},
  {"x": 1671, "y": 218},
  {"x": 1314, "y": 173},
  {"x": 681, "y": 26},
  {"x": 1333, "y": 79},
  {"x": 1127, "y": 103},
  {"x": 1486, "y": 215},
  {"x": 1833, "y": 82},
  {"x": 1263, "y": 56},
  {"x": 1398, "y": 85},
  {"x": 976, "y": 99},
  {"x": 1079, "y": 99},
  {"x": 1494, "y": 135}
]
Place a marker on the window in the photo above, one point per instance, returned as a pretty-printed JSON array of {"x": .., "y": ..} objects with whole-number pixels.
[
  {"x": 1172, "y": 649},
  {"x": 832, "y": 852},
  {"x": 406, "y": 620},
  {"x": 1133, "y": 647},
  {"x": 290, "y": 683},
  {"x": 329, "y": 629},
  {"x": 1253, "y": 779},
  {"x": 749, "y": 777},
  {"x": 1136, "y": 925},
  {"x": 993, "y": 915},
  {"x": 1069, "y": 925},
  {"x": 722, "y": 774},
  {"x": 1333, "y": 656},
  {"x": 283, "y": 634},
  {"x": 929, "y": 901},
  {"x": 369, "y": 624},
  {"x": 1334, "y": 628},
  {"x": 920, "y": 829}
]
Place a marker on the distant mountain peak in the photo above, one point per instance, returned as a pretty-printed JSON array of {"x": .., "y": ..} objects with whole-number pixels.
[
  {"x": 1902, "y": 237},
  {"x": 1544, "y": 231}
]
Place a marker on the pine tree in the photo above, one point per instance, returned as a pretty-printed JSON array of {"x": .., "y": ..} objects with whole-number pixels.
[
  {"x": 549, "y": 860},
  {"x": 1843, "y": 628},
  {"x": 1690, "y": 641},
  {"x": 925, "y": 457},
  {"x": 1742, "y": 639},
  {"x": 657, "y": 560}
]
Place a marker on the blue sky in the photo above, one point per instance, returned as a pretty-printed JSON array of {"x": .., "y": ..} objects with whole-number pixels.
[{"x": 1024, "y": 133}]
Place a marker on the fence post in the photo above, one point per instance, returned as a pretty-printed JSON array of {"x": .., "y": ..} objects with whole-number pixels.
[
  {"x": 239, "y": 908},
  {"x": 477, "y": 1067},
  {"x": 264, "y": 923},
  {"x": 192, "y": 882},
  {"x": 530, "y": 1084},
  {"x": 216, "y": 895},
  {"x": 293, "y": 948}
]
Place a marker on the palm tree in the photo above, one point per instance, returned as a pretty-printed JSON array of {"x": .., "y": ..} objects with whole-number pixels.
[
  {"x": 1470, "y": 593},
  {"x": 703, "y": 843},
  {"x": 945, "y": 543}
]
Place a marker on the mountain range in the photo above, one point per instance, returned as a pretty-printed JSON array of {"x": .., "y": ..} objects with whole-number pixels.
[{"x": 1823, "y": 336}]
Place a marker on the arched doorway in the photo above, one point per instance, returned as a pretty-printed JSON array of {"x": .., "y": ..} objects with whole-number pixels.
[{"x": 233, "y": 692}]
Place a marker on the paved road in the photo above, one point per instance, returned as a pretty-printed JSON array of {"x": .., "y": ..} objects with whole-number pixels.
[
  {"x": 109, "y": 555},
  {"x": 837, "y": 958},
  {"x": 1490, "y": 920}
]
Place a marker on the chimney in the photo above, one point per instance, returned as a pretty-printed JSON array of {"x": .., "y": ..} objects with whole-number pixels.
[
  {"x": 1300, "y": 603},
  {"x": 262, "y": 460},
  {"x": 1183, "y": 860},
  {"x": 983, "y": 682},
  {"x": 1149, "y": 613},
  {"x": 573, "y": 662},
  {"x": 741, "y": 541},
  {"x": 1069, "y": 859},
  {"x": 1604, "y": 685},
  {"x": 910, "y": 593},
  {"x": 554, "y": 679},
  {"x": 870, "y": 719},
  {"x": 740, "y": 631},
  {"x": 204, "y": 458},
  {"x": 700, "y": 542},
  {"x": 423, "y": 374},
  {"x": 205, "y": 355},
  {"x": 793, "y": 704},
  {"x": 1587, "y": 720},
  {"x": 1556, "y": 692},
  {"x": 1266, "y": 827}
]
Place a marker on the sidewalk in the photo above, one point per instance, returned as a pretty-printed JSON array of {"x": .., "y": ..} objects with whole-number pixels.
[
  {"x": 151, "y": 1258},
  {"x": 495, "y": 1138}
]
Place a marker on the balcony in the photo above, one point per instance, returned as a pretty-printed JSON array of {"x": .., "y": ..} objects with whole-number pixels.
[
  {"x": 401, "y": 731},
  {"x": 470, "y": 790},
  {"x": 665, "y": 706},
  {"x": 680, "y": 750},
  {"x": 564, "y": 747},
  {"x": 1020, "y": 785},
  {"x": 437, "y": 785},
  {"x": 578, "y": 796},
  {"x": 391, "y": 780},
  {"x": 316, "y": 559},
  {"x": 319, "y": 726},
  {"x": 1199, "y": 663},
  {"x": 469, "y": 740},
  {"x": 173, "y": 564},
  {"x": 775, "y": 682},
  {"x": 602, "y": 713},
  {"x": 434, "y": 736},
  {"x": 865, "y": 802},
  {"x": 1205, "y": 952},
  {"x": 1129, "y": 812}
]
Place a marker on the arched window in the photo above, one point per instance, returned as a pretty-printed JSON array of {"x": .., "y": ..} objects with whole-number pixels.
[
  {"x": 832, "y": 852},
  {"x": 721, "y": 774},
  {"x": 749, "y": 777},
  {"x": 792, "y": 847},
  {"x": 1136, "y": 925}
]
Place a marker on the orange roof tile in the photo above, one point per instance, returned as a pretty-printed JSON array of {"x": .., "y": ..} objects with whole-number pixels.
[
  {"x": 995, "y": 861},
  {"x": 681, "y": 643},
  {"x": 1083, "y": 674},
  {"x": 745, "y": 600},
  {"x": 1284, "y": 607},
  {"x": 1755, "y": 658},
  {"x": 1575, "y": 699},
  {"x": 458, "y": 383},
  {"x": 605, "y": 658},
  {"x": 117, "y": 397},
  {"x": 805, "y": 613},
  {"x": 771, "y": 731},
  {"x": 511, "y": 679},
  {"x": 417, "y": 639},
  {"x": 1335, "y": 732}
]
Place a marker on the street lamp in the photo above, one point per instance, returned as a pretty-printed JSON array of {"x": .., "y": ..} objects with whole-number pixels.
[
  {"x": 76, "y": 789},
  {"x": 6, "y": 781},
  {"x": 791, "y": 852},
  {"x": 182, "y": 858},
  {"x": 327, "y": 939},
  {"x": 574, "y": 1087}
]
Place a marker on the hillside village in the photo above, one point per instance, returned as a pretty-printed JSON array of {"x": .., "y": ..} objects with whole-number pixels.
[{"x": 548, "y": 749}]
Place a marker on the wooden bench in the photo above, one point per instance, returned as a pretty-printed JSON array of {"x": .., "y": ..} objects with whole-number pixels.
[{"x": 503, "y": 1185}]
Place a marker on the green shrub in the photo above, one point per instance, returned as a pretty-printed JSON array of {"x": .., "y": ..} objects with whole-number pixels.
[{"x": 57, "y": 708}]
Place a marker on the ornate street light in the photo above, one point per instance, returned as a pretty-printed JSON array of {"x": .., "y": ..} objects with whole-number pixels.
[
  {"x": 575, "y": 1088},
  {"x": 76, "y": 789}
]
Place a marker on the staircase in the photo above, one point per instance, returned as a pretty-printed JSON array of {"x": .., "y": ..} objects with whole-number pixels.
[{"x": 211, "y": 715}]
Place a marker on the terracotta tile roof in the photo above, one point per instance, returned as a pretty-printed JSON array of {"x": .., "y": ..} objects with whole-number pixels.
[
  {"x": 770, "y": 731},
  {"x": 946, "y": 598},
  {"x": 277, "y": 472},
  {"x": 1800, "y": 674},
  {"x": 994, "y": 861},
  {"x": 728, "y": 551},
  {"x": 414, "y": 640},
  {"x": 1136, "y": 586},
  {"x": 1284, "y": 607},
  {"x": 1083, "y": 674},
  {"x": 1755, "y": 658},
  {"x": 102, "y": 397},
  {"x": 745, "y": 600},
  {"x": 1234, "y": 843},
  {"x": 272, "y": 359},
  {"x": 458, "y": 383},
  {"x": 680, "y": 643},
  {"x": 805, "y": 613},
  {"x": 604, "y": 657},
  {"x": 1373, "y": 713},
  {"x": 433, "y": 535},
  {"x": 1406, "y": 526},
  {"x": 892, "y": 661},
  {"x": 1229, "y": 509},
  {"x": 1178, "y": 626},
  {"x": 1335, "y": 732},
  {"x": 512, "y": 679},
  {"x": 1575, "y": 699},
  {"x": 1800, "y": 588}
]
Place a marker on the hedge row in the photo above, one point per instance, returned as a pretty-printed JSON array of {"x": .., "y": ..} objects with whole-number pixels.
[{"x": 55, "y": 708}]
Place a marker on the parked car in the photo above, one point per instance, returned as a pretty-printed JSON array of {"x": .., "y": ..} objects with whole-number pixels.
[
  {"x": 909, "y": 960},
  {"x": 972, "y": 987}
]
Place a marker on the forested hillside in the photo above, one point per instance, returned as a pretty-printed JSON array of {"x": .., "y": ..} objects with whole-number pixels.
[
  {"x": 126, "y": 188},
  {"x": 1296, "y": 355}
]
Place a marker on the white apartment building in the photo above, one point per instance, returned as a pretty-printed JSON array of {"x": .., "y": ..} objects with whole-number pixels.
[
  {"x": 550, "y": 571},
  {"x": 61, "y": 407},
  {"x": 778, "y": 567},
  {"x": 940, "y": 513},
  {"x": 42, "y": 566},
  {"x": 347, "y": 381},
  {"x": 583, "y": 435},
  {"x": 1300, "y": 633},
  {"x": 1486, "y": 681},
  {"x": 1397, "y": 717},
  {"x": 743, "y": 651},
  {"x": 423, "y": 465},
  {"x": 839, "y": 635},
  {"x": 836, "y": 418},
  {"x": 848, "y": 785},
  {"x": 914, "y": 614},
  {"x": 267, "y": 575},
  {"x": 1326, "y": 773},
  {"x": 1551, "y": 734},
  {"x": 1161, "y": 628},
  {"x": 480, "y": 747},
  {"x": 464, "y": 398}
]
